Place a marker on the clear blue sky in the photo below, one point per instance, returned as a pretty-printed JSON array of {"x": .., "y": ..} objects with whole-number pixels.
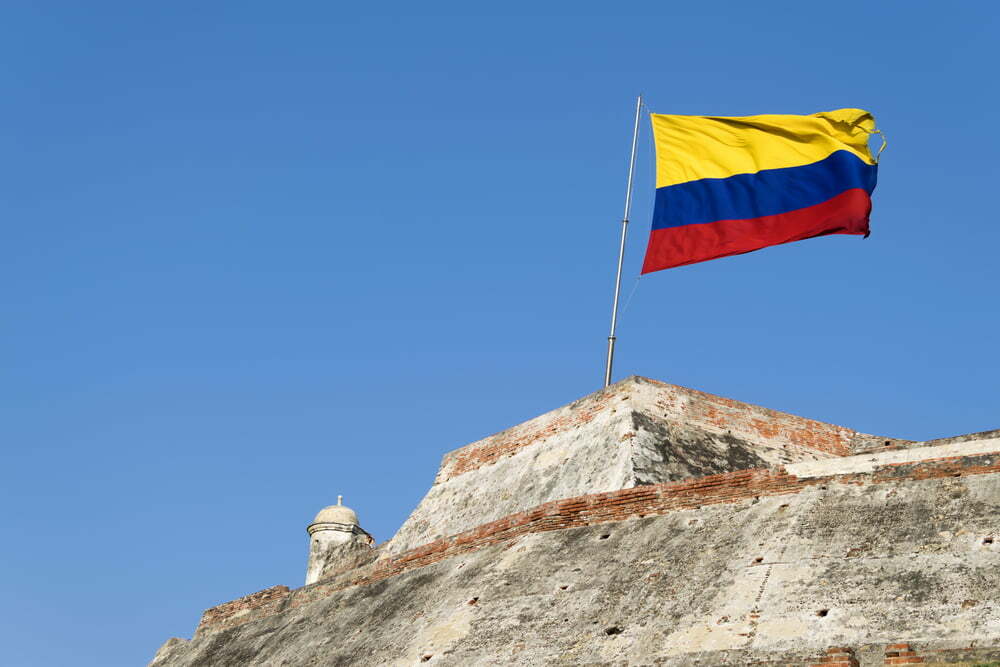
[{"x": 258, "y": 254}]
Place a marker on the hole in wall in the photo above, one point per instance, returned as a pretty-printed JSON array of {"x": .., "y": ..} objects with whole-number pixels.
[
  {"x": 562, "y": 588},
  {"x": 604, "y": 536},
  {"x": 473, "y": 601},
  {"x": 987, "y": 540},
  {"x": 613, "y": 630},
  {"x": 425, "y": 658},
  {"x": 822, "y": 612},
  {"x": 887, "y": 443},
  {"x": 758, "y": 559}
]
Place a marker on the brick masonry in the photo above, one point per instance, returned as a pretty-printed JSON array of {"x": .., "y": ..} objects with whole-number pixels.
[
  {"x": 593, "y": 509},
  {"x": 230, "y": 613},
  {"x": 901, "y": 654},
  {"x": 753, "y": 422},
  {"x": 837, "y": 657},
  {"x": 695, "y": 409}
]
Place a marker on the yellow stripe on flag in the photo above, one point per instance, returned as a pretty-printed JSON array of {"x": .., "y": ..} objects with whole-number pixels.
[{"x": 689, "y": 148}]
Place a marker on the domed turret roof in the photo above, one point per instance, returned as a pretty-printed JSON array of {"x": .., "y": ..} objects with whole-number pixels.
[{"x": 338, "y": 513}]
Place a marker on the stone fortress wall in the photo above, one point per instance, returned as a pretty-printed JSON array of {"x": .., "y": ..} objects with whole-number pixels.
[
  {"x": 634, "y": 433},
  {"x": 682, "y": 528}
]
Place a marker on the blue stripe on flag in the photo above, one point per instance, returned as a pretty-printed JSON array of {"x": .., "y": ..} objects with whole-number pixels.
[{"x": 767, "y": 192}]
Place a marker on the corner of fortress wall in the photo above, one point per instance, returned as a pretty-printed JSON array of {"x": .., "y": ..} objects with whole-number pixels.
[
  {"x": 635, "y": 432},
  {"x": 805, "y": 543}
]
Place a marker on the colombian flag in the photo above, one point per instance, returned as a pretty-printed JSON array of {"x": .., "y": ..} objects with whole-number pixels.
[{"x": 730, "y": 185}]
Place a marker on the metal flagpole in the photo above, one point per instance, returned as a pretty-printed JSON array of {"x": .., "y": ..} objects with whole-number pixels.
[{"x": 621, "y": 249}]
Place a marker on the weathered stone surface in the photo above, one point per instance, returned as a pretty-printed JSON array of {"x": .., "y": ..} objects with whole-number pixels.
[
  {"x": 774, "y": 579},
  {"x": 869, "y": 462},
  {"x": 687, "y": 529},
  {"x": 333, "y": 559},
  {"x": 635, "y": 432},
  {"x": 166, "y": 652}
]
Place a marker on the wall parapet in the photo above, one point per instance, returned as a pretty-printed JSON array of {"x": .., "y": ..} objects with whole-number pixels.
[
  {"x": 241, "y": 610},
  {"x": 607, "y": 507}
]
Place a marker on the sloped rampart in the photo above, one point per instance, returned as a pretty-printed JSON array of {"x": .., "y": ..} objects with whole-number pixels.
[{"x": 758, "y": 565}]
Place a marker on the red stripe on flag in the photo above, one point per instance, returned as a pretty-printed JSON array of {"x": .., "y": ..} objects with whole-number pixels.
[{"x": 847, "y": 213}]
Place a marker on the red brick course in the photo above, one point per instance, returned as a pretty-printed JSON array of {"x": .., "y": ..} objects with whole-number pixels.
[
  {"x": 760, "y": 424},
  {"x": 685, "y": 406},
  {"x": 901, "y": 654},
  {"x": 837, "y": 657},
  {"x": 229, "y": 614},
  {"x": 596, "y": 509}
]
